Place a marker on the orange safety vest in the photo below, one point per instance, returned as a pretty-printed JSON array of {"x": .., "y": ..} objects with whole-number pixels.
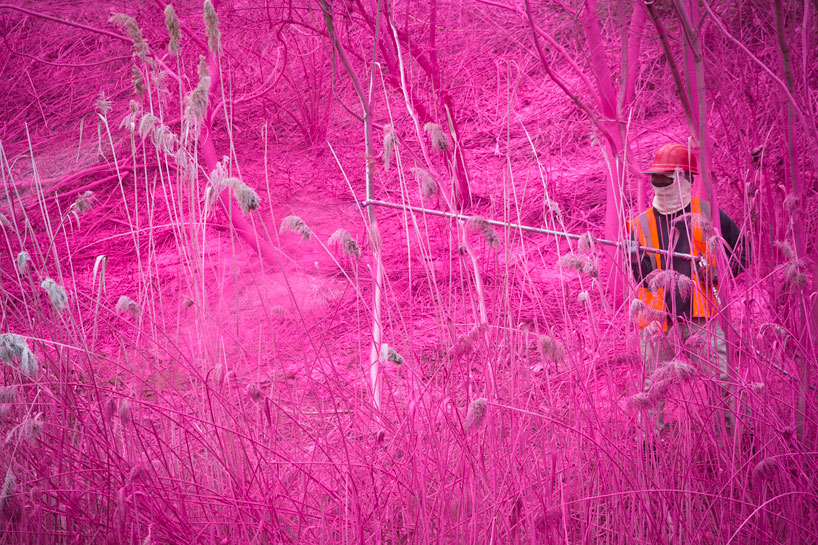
[{"x": 704, "y": 302}]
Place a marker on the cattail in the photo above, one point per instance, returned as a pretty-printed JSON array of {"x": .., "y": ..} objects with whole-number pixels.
[
  {"x": 581, "y": 263},
  {"x": 246, "y": 196},
  {"x": 172, "y": 23},
  {"x": 212, "y": 27},
  {"x": 296, "y": 225},
  {"x": 476, "y": 414},
  {"x": 138, "y": 82},
  {"x": 480, "y": 224},
  {"x": 390, "y": 142},
  {"x": 103, "y": 103},
  {"x": 428, "y": 185},
  {"x": 128, "y": 23},
  {"x": 125, "y": 412},
  {"x": 439, "y": 140},
  {"x": 550, "y": 349},
  {"x": 253, "y": 392},
  {"x": 56, "y": 293},
  {"x": 83, "y": 203},
  {"x": 9, "y": 486},
  {"x": 127, "y": 305},
  {"x": 347, "y": 243},
  {"x": 23, "y": 259},
  {"x": 552, "y": 207},
  {"x": 587, "y": 243},
  {"x": 389, "y": 354},
  {"x": 765, "y": 470}
]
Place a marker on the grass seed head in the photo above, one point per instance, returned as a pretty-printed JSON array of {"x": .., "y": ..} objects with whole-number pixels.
[
  {"x": 125, "y": 412},
  {"x": 479, "y": 224},
  {"x": 440, "y": 141},
  {"x": 212, "y": 28},
  {"x": 103, "y": 103},
  {"x": 83, "y": 203},
  {"x": 8, "y": 394},
  {"x": 147, "y": 123},
  {"x": 246, "y": 196},
  {"x": 390, "y": 142},
  {"x": 172, "y": 23},
  {"x": 56, "y": 293},
  {"x": 552, "y": 207},
  {"x": 765, "y": 470},
  {"x": 580, "y": 263},
  {"x": 138, "y": 82},
  {"x": 670, "y": 280},
  {"x": 587, "y": 243},
  {"x": 128, "y": 23},
  {"x": 31, "y": 430},
  {"x": 9, "y": 487},
  {"x": 347, "y": 242},
  {"x": 253, "y": 392},
  {"x": 389, "y": 354},
  {"x": 758, "y": 388},
  {"x": 702, "y": 222},
  {"x": 296, "y": 225},
  {"x": 127, "y": 305},
  {"x": 198, "y": 101},
  {"x": 786, "y": 249},
  {"x": 23, "y": 259},
  {"x": 428, "y": 185},
  {"x": 6, "y": 411},
  {"x": 550, "y": 349},
  {"x": 476, "y": 414},
  {"x": 642, "y": 400}
]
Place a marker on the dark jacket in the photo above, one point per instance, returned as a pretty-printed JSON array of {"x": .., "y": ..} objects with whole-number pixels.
[{"x": 737, "y": 253}]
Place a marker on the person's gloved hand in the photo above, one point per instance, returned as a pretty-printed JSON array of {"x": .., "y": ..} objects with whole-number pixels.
[
  {"x": 631, "y": 250},
  {"x": 707, "y": 274}
]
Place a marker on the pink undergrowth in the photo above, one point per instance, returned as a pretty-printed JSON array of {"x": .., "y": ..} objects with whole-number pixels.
[{"x": 191, "y": 296}]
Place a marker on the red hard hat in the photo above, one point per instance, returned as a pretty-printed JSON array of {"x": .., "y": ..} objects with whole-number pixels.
[{"x": 672, "y": 156}]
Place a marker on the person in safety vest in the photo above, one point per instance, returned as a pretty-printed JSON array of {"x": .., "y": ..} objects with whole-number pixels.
[{"x": 678, "y": 297}]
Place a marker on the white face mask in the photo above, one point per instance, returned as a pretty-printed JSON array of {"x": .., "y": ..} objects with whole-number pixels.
[{"x": 674, "y": 197}]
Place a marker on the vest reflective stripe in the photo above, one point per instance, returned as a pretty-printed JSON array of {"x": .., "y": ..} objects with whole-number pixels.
[{"x": 704, "y": 303}]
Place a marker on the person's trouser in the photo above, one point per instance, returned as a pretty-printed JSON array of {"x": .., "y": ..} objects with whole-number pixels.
[{"x": 708, "y": 351}]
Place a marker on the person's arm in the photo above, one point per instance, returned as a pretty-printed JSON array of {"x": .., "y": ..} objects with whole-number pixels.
[{"x": 738, "y": 251}]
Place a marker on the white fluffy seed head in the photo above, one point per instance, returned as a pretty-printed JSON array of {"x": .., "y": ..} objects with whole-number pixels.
[
  {"x": 84, "y": 202},
  {"x": 552, "y": 207},
  {"x": 172, "y": 24},
  {"x": 389, "y": 354},
  {"x": 296, "y": 225},
  {"x": 587, "y": 243},
  {"x": 476, "y": 414},
  {"x": 440, "y": 141},
  {"x": 8, "y": 394},
  {"x": 138, "y": 82},
  {"x": 428, "y": 185},
  {"x": 253, "y": 392},
  {"x": 9, "y": 486},
  {"x": 56, "y": 293},
  {"x": 23, "y": 258},
  {"x": 103, "y": 103},
  {"x": 479, "y": 224},
  {"x": 246, "y": 196},
  {"x": 390, "y": 142},
  {"x": 126, "y": 305},
  {"x": 125, "y": 412},
  {"x": 212, "y": 27},
  {"x": 14, "y": 348},
  {"x": 581, "y": 263},
  {"x": 349, "y": 245},
  {"x": 765, "y": 470},
  {"x": 128, "y": 23},
  {"x": 550, "y": 349}
]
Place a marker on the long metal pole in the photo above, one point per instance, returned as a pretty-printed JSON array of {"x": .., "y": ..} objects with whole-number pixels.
[{"x": 527, "y": 228}]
